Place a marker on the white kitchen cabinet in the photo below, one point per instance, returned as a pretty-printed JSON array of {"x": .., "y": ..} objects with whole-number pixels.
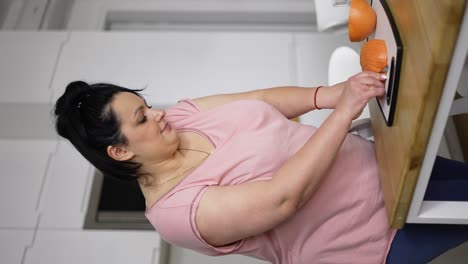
[
  {"x": 175, "y": 65},
  {"x": 28, "y": 65},
  {"x": 66, "y": 191},
  {"x": 94, "y": 247},
  {"x": 24, "y": 164},
  {"x": 14, "y": 244}
]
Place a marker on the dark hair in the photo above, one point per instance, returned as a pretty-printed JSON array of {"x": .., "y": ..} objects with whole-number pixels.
[{"x": 84, "y": 116}]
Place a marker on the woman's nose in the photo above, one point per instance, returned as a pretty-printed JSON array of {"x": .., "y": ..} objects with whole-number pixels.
[{"x": 157, "y": 114}]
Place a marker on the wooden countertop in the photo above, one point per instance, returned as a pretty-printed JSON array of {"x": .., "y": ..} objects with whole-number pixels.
[{"x": 429, "y": 30}]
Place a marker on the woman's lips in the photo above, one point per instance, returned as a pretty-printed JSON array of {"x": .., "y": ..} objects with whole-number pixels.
[{"x": 166, "y": 126}]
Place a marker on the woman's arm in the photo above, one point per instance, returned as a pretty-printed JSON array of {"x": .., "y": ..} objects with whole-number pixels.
[
  {"x": 229, "y": 213},
  {"x": 311, "y": 162},
  {"x": 295, "y": 101},
  {"x": 291, "y": 101}
]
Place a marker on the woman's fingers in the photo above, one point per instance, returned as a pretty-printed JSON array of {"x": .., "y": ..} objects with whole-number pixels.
[
  {"x": 371, "y": 82},
  {"x": 375, "y": 75},
  {"x": 374, "y": 92},
  {"x": 371, "y": 78},
  {"x": 360, "y": 88}
]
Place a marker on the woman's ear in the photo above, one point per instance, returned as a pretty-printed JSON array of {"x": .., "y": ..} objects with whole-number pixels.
[{"x": 119, "y": 153}]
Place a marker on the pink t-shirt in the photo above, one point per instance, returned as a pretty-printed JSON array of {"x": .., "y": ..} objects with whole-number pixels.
[{"x": 345, "y": 220}]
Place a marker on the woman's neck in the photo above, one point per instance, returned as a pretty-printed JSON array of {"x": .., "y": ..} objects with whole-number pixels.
[{"x": 159, "y": 171}]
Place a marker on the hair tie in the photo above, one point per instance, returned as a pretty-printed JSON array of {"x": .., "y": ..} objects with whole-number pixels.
[
  {"x": 315, "y": 98},
  {"x": 78, "y": 105}
]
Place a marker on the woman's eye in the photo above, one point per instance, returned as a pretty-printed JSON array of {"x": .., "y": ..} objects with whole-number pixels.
[{"x": 143, "y": 119}]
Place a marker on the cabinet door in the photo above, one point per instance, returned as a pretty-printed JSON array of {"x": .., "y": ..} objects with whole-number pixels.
[
  {"x": 28, "y": 65},
  {"x": 176, "y": 65},
  {"x": 66, "y": 191},
  {"x": 14, "y": 244},
  {"x": 25, "y": 165},
  {"x": 94, "y": 247}
]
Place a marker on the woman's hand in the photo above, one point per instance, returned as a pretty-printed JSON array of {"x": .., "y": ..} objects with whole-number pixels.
[{"x": 357, "y": 91}]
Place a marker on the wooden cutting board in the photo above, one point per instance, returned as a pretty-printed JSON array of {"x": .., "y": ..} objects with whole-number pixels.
[{"x": 428, "y": 29}]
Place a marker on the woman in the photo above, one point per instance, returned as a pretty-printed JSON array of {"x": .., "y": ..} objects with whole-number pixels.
[{"x": 231, "y": 173}]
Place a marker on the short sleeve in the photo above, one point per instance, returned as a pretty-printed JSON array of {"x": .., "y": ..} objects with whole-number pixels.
[
  {"x": 231, "y": 248},
  {"x": 182, "y": 110},
  {"x": 175, "y": 222}
]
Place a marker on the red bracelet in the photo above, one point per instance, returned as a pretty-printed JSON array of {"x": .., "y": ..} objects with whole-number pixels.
[{"x": 315, "y": 98}]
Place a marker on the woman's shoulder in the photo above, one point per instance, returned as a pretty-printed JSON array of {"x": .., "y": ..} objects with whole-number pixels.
[
  {"x": 184, "y": 106},
  {"x": 181, "y": 111}
]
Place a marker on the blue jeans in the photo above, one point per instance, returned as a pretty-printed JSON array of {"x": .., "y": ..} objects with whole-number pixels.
[{"x": 421, "y": 243}]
